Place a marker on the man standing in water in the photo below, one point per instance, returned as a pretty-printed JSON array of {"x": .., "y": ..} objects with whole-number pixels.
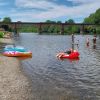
[
  {"x": 94, "y": 40},
  {"x": 87, "y": 42},
  {"x": 72, "y": 38},
  {"x": 73, "y": 41}
]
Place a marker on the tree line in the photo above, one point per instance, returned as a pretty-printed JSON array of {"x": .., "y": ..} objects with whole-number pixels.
[{"x": 93, "y": 18}]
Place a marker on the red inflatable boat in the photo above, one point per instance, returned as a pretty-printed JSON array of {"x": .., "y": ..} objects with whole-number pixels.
[{"x": 74, "y": 54}]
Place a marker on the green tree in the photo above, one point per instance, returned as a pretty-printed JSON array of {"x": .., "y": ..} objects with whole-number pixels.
[
  {"x": 98, "y": 30},
  {"x": 6, "y": 20},
  {"x": 70, "y": 21},
  {"x": 93, "y": 18},
  {"x": 90, "y": 19},
  {"x": 70, "y": 29},
  {"x": 49, "y": 21},
  {"x": 59, "y": 22},
  {"x": 97, "y": 17}
]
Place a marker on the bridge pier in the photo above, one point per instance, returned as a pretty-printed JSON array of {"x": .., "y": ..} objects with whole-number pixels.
[
  {"x": 40, "y": 28},
  {"x": 81, "y": 29},
  {"x": 62, "y": 29},
  {"x": 15, "y": 30}
]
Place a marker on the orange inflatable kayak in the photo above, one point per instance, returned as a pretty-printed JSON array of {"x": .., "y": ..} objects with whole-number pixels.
[{"x": 17, "y": 54}]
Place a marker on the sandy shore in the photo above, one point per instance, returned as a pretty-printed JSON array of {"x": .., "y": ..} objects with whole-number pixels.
[{"x": 14, "y": 85}]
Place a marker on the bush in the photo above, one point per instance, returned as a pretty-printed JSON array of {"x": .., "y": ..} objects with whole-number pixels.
[
  {"x": 98, "y": 30},
  {"x": 1, "y": 34}
]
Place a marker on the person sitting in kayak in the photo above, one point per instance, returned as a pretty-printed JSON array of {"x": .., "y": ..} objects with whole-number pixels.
[
  {"x": 63, "y": 53},
  {"x": 69, "y": 51}
]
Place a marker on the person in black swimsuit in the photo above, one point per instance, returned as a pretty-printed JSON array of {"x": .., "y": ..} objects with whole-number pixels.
[
  {"x": 69, "y": 51},
  {"x": 94, "y": 40}
]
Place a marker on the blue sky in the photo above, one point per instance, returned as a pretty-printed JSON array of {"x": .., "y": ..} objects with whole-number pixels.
[{"x": 42, "y": 10}]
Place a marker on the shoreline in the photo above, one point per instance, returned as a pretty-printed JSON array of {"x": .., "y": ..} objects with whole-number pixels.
[{"x": 14, "y": 84}]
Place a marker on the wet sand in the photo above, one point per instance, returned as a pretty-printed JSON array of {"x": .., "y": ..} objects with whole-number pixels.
[{"x": 14, "y": 85}]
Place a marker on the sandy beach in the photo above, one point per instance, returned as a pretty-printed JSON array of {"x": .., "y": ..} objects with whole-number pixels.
[{"x": 14, "y": 85}]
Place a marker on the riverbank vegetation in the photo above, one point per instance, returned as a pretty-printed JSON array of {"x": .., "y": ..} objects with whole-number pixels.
[{"x": 94, "y": 18}]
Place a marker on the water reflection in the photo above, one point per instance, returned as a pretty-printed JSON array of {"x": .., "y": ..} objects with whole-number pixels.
[
  {"x": 24, "y": 58},
  {"x": 94, "y": 46}
]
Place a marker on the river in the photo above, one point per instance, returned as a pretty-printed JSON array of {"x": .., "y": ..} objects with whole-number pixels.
[{"x": 54, "y": 79}]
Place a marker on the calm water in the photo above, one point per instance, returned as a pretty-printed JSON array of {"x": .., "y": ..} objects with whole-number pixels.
[{"x": 54, "y": 79}]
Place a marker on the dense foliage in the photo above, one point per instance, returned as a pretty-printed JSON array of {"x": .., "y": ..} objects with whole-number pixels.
[
  {"x": 6, "y": 20},
  {"x": 1, "y": 34},
  {"x": 94, "y": 19}
]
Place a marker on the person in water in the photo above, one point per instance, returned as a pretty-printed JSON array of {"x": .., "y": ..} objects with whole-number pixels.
[
  {"x": 69, "y": 51},
  {"x": 63, "y": 53},
  {"x": 87, "y": 42},
  {"x": 94, "y": 40},
  {"x": 77, "y": 43},
  {"x": 72, "y": 38}
]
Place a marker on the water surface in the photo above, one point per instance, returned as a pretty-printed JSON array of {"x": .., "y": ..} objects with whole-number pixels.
[{"x": 54, "y": 79}]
